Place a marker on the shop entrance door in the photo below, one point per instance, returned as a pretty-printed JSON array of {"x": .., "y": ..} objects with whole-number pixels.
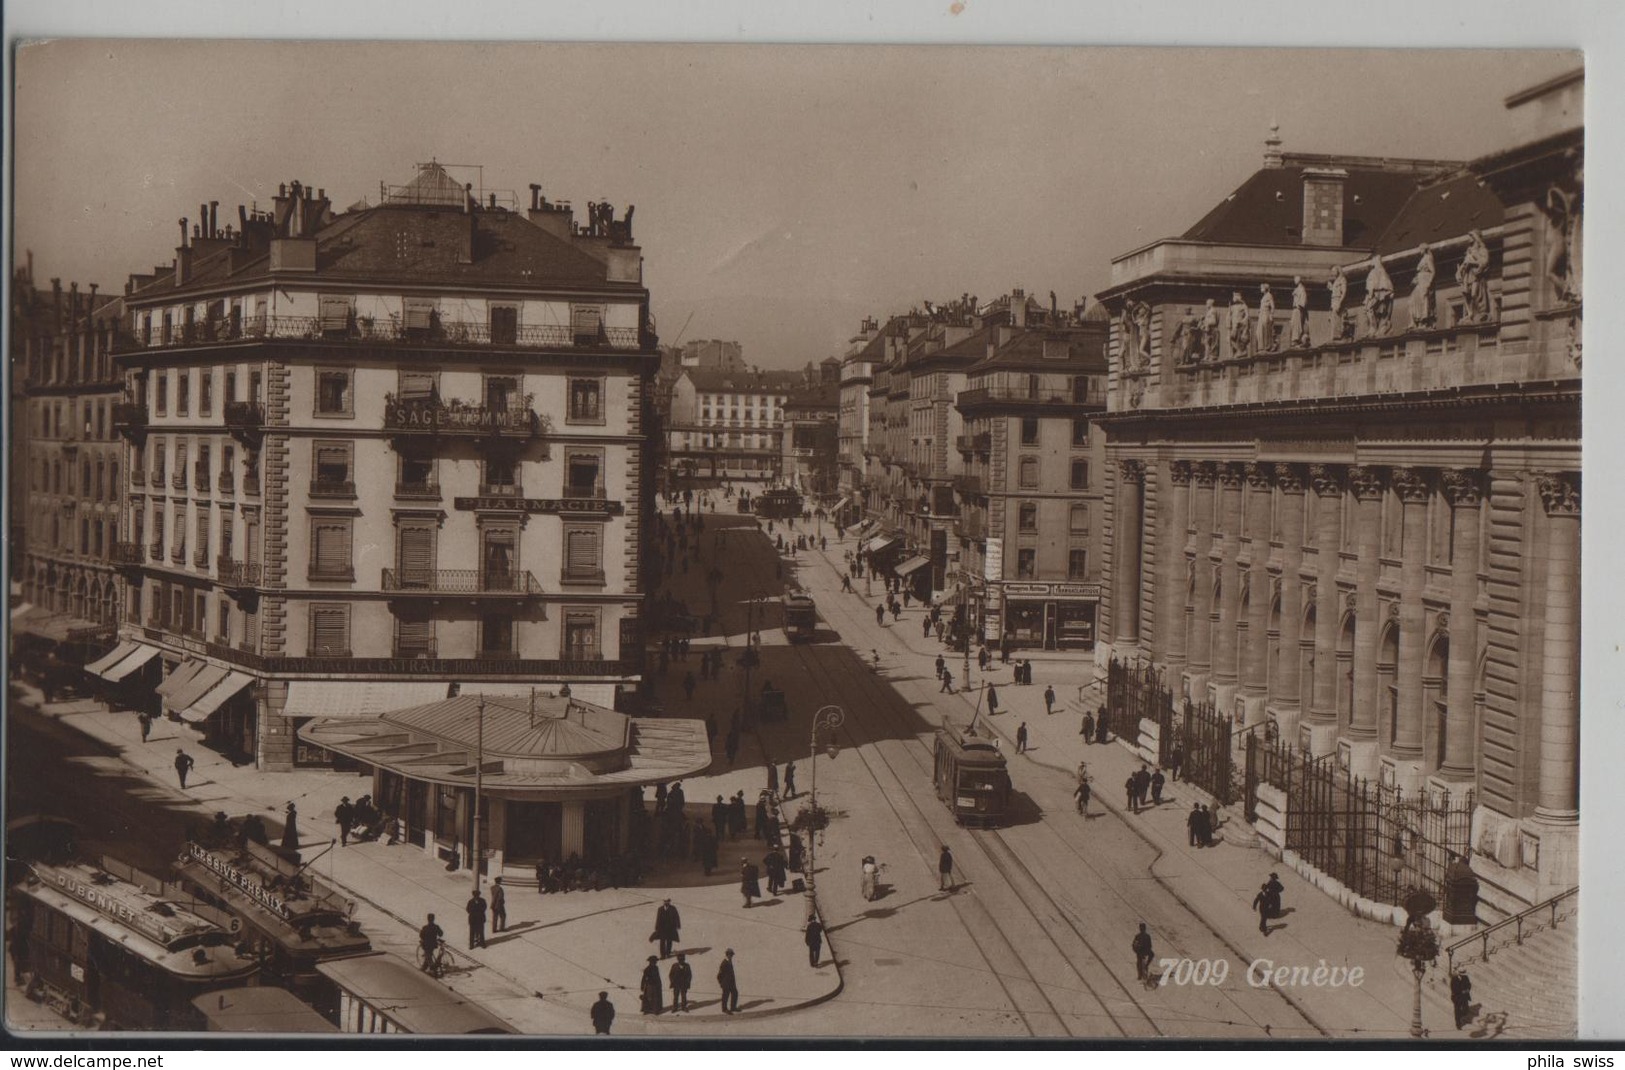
[{"x": 1049, "y": 625}]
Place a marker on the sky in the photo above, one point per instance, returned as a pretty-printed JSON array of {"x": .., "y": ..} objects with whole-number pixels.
[{"x": 783, "y": 192}]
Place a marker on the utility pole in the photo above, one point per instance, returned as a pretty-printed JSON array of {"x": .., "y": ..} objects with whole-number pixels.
[{"x": 479, "y": 788}]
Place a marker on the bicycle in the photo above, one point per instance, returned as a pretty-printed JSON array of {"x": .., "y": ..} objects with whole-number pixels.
[{"x": 434, "y": 961}]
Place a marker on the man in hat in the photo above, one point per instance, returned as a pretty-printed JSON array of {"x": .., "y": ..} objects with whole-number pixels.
[
  {"x": 750, "y": 885},
  {"x": 681, "y": 977},
  {"x": 729, "y": 983},
  {"x": 1275, "y": 888},
  {"x": 815, "y": 941},
  {"x": 499, "y": 905},
  {"x": 1021, "y": 736},
  {"x": 344, "y": 815},
  {"x": 667, "y": 927},
  {"x": 1142, "y": 953},
  {"x": 603, "y": 1014},
  {"x": 183, "y": 765},
  {"x": 476, "y": 920},
  {"x": 1261, "y": 903}
]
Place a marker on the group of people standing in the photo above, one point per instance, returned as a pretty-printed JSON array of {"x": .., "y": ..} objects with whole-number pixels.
[{"x": 1141, "y": 783}]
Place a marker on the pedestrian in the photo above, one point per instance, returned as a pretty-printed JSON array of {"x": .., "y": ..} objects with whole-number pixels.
[
  {"x": 719, "y": 816},
  {"x": 759, "y": 829},
  {"x": 729, "y": 983},
  {"x": 795, "y": 852},
  {"x": 925, "y": 627},
  {"x": 603, "y": 1014},
  {"x": 290, "y": 827},
  {"x": 947, "y": 686},
  {"x": 429, "y": 938},
  {"x": 183, "y": 765},
  {"x": 1142, "y": 784},
  {"x": 880, "y": 615},
  {"x": 145, "y": 721},
  {"x": 942, "y": 665},
  {"x": 1461, "y": 997},
  {"x": 905, "y": 597},
  {"x": 1128, "y": 788},
  {"x": 1021, "y": 736},
  {"x": 736, "y": 815},
  {"x": 896, "y": 611},
  {"x": 660, "y": 798},
  {"x": 1261, "y": 903},
  {"x": 1204, "y": 828},
  {"x": 749, "y": 881},
  {"x": 681, "y": 977},
  {"x": 1176, "y": 761},
  {"x": 992, "y": 700},
  {"x": 1082, "y": 795},
  {"x": 1049, "y": 699},
  {"x": 1276, "y": 888},
  {"x": 344, "y": 815},
  {"x": 1192, "y": 822},
  {"x": 1102, "y": 726},
  {"x": 789, "y": 780},
  {"x": 773, "y": 866},
  {"x": 499, "y": 905},
  {"x": 815, "y": 941},
  {"x": 945, "y": 870},
  {"x": 711, "y": 727},
  {"x": 846, "y": 583},
  {"x": 667, "y": 927},
  {"x": 982, "y": 658},
  {"x": 772, "y": 778},
  {"x": 688, "y": 686},
  {"x": 652, "y": 997},
  {"x": 1142, "y": 953},
  {"x": 941, "y": 627},
  {"x": 476, "y": 920},
  {"x": 1157, "y": 781}
]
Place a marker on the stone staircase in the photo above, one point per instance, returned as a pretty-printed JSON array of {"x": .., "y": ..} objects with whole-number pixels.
[{"x": 1527, "y": 989}]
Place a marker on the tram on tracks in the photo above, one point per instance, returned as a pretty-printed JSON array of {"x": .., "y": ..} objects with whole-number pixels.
[
  {"x": 800, "y": 617},
  {"x": 109, "y": 947},
  {"x": 971, "y": 776},
  {"x": 778, "y": 504},
  {"x": 292, "y": 917},
  {"x": 383, "y": 993}
]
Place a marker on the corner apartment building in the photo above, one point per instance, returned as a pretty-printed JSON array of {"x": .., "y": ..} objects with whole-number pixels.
[
  {"x": 376, "y": 454},
  {"x": 65, "y": 471},
  {"x": 1352, "y": 519}
]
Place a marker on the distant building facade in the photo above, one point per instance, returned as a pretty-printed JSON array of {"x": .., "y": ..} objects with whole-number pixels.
[
  {"x": 811, "y": 439},
  {"x": 367, "y": 449},
  {"x": 729, "y": 425}
]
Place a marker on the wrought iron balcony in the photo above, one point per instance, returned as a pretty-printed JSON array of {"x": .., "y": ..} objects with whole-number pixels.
[
  {"x": 178, "y": 553},
  {"x": 416, "y": 648},
  {"x": 501, "y": 490},
  {"x": 423, "y": 488},
  {"x": 237, "y": 573},
  {"x": 157, "y": 550},
  {"x": 200, "y": 558},
  {"x": 127, "y": 553},
  {"x": 332, "y": 488},
  {"x": 367, "y": 330},
  {"x": 968, "y": 485},
  {"x": 434, "y": 417},
  {"x": 178, "y": 481},
  {"x": 200, "y": 477},
  {"x": 980, "y": 443},
  {"x": 1048, "y": 397},
  {"x": 460, "y": 581},
  {"x": 224, "y": 484},
  {"x": 130, "y": 419},
  {"x": 245, "y": 419},
  {"x": 251, "y": 483},
  {"x": 138, "y": 476}
]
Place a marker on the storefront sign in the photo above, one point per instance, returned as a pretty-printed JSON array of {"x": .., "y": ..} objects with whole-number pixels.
[
  {"x": 426, "y": 415},
  {"x": 246, "y": 883},
  {"x": 993, "y": 560},
  {"x": 575, "y": 506},
  {"x": 1089, "y": 591},
  {"x": 111, "y": 907}
]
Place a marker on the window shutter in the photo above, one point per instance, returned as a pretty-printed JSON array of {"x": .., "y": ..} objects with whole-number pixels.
[
  {"x": 415, "y": 636},
  {"x": 582, "y": 551},
  {"x": 329, "y": 630},
  {"x": 418, "y": 312},
  {"x": 335, "y": 311},
  {"x": 417, "y": 385},
  {"x": 417, "y": 556},
  {"x": 333, "y": 547},
  {"x": 585, "y": 320}
]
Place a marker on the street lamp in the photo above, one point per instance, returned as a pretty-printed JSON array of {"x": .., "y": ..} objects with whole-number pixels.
[
  {"x": 479, "y": 787},
  {"x": 1419, "y": 944},
  {"x": 831, "y": 718}
]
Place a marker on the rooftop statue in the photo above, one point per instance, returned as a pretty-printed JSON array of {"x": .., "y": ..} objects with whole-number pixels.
[
  {"x": 1266, "y": 319},
  {"x": 1298, "y": 326},
  {"x": 1422, "y": 290},
  {"x": 1240, "y": 333},
  {"x": 1470, "y": 273},
  {"x": 1342, "y": 327},
  {"x": 1379, "y": 299}
]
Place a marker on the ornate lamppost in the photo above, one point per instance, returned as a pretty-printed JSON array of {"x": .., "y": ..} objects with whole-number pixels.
[
  {"x": 830, "y": 718},
  {"x": 1420, "y": 945}
]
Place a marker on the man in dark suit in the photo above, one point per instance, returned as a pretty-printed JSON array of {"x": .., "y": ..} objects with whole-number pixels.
[
  {"x": 729, "y": 983},
  {"x": 667, "y": 926}
]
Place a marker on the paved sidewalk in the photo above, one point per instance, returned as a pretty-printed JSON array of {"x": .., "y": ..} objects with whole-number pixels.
[
  {"x": 560, "y": 950},
  {"x": 1217, "y": 882}
]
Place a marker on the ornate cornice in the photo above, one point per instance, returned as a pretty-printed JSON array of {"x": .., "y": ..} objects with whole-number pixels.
[
  {"x": 1560, "y": 493},
  {"x": 1204, "y": 472},
  {"x": 1257, "y": 475},
  {"x": 1327, "y": 479},
  {"x": 1462, "y": 486},
  {"x": 1179, "y": 472},
  {"x": 1289, "y": 477},
  {"x": 1230, "y": 475},
  {"x": 1410, "y": 484},
  {"x": 1366, "y": 481},
  {"x": 1131, "y": 471}
]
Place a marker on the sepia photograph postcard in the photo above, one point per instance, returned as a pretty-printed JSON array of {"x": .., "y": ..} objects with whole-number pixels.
[{"x": 726, "y": 542}]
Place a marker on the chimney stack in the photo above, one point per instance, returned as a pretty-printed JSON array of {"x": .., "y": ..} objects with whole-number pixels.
[
  {"x": 183, "y": 232},
  {"x": 1272, "y": 146},
  {"x": 1323, "y": 189},
  {"x": 1018, "y": 308},
  {"x": 214, "y": 219},
  {"x": 535, "y": 196}
]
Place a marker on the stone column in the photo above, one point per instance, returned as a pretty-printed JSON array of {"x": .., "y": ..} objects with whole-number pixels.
[
  {"x": 1414, "y": 490},
  {"x": 1200, "y": 654},
  {"x": 1127, "y": 556},
  {"x": 1255, "y": 658},
  {"x": 1226, "y": 613},
  {"x": 1559, "y": 798},
  {"x": 1464, "y": 488},
  {"x": 1171, "y": 589},
  {"x": 1284, "y": 702},
  {"x": 1319, "y": 735},
  {"x": 1359, "y": 742}
]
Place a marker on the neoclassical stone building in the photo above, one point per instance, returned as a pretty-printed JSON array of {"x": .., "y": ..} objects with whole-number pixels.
[{"x": 1356, "y": 514}]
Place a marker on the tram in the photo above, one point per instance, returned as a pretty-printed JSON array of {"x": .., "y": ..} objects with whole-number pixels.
[
  {"x": 293, "y": 919},
  {"x": 800, "y": 616},
  {"x": 779, "y": 504},
  {"x": 971, "y": 777},
  {"x": 110, "y": 947},
  {"x": 383, "y": 993}
]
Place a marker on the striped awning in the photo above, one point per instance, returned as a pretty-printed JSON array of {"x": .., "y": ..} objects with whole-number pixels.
[
  {"x": 205, "y": 678},
  {"x": 112, "y": 657},
  {"x": 216, "y": 696},
  {"x": 911, "y": 565},
  {"x": 118, "y": 671},
  {"x": 881, "y": 543},
  {"x": 359, "y": 698},
  {"x": 183, "y": 672}
]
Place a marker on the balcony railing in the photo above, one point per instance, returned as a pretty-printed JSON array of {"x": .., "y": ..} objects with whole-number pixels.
[
  {"x": 1021, "y": 395},
  {"x": 157, "y": 478},
  {"x": 501, "y": 490},
  {"x": 245, "y": 416},
  {"x": 224, "y": 484},
  {"x": 968, "y": 486},
  {"x": 369, "y": 331},
  {"x": 129, "y": 418},
  {"x": 332, "y": 488},
  {"x": 469, "y": 581},
  {"x": 178, "y": 553},
  {"x": 417, "y": 648},
  {"x": 425, "y": 488},
  {"x": 157, "y": 550},
  {"x": 138, "y": 476},
  {"x": 237, "y": 573},
  {"x": 251, "y": 483},
  {"x": 127, "y": 553},
  {"x": 200, "y": 477},
  {"x": 200, "y": 558},
  {"x": 433, "y": 416},
  {"x": 179, "y": 479}
]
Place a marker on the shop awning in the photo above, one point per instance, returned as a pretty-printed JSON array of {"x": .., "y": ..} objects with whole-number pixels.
[
  {"x": 143, "y": 654},
  {"x": 359, "y": 698},
  {"x": 206, "y": 677},
  {"x": 838, "y": 506},
  {"x": 949, "y": 595},
  {"x": 54, "y": 626},
  {"x": 881, "y": 543},
  {"x": 218, "y": 695},
  {"x": 112, "y": 657},
  {"x": 911, "y": 565},
  {"x": 21, "y": 611},
  {"x": 175, "y": 680}
]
